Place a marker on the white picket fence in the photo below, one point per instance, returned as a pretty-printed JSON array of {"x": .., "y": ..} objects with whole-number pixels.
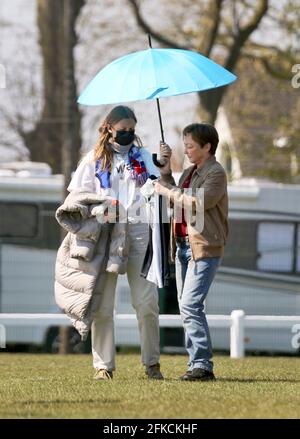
[{"x": 237, "y": 322}]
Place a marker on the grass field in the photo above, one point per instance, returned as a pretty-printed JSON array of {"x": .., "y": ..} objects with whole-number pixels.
[{"x": 52, "y": 386}]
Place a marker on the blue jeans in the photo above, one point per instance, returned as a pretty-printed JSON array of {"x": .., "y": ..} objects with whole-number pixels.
[{"x": 193, "y": 279}]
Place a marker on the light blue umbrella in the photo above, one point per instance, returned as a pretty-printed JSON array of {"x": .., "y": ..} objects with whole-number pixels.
[{"x": 153, "y": 74}]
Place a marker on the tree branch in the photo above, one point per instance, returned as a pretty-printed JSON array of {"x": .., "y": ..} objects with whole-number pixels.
[
  {"x": 216, "y": 19},
  {"x": 277, "y": 72},
  {"x": 148, "y": 30},
  {"x": 78, "y": 4},
  {"x": 243, "y": 34},
  {"x": 15, "y": 123},
  {"x": 257, "y": 51},
  {"x": 261, "y": 10},
  {"x": 276, "y": 62}
]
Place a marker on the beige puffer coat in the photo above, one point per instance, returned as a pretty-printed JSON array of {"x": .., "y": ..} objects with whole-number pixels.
[{"x": 88, "y": 251}]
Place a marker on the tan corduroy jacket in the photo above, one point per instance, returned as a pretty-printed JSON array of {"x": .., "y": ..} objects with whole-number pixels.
[{"x": 210, "y": 240}]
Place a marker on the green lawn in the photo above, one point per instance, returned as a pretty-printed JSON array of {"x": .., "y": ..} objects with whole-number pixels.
[{"x": 52, "y": 386}]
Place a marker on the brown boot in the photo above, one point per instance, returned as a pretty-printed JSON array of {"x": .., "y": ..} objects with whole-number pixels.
[{"x": 153, "y": 372}]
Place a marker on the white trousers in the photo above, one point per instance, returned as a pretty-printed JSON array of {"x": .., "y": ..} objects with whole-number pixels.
[{"x": 144, "y": 299}]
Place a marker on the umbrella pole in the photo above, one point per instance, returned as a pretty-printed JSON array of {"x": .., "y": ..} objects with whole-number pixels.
[
  {"x": 160, "y": 121},
  {"x": 154, "y": 156}
]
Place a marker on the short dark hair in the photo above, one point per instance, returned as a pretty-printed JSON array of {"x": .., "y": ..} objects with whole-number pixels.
[{"x": 203, "y": 133}]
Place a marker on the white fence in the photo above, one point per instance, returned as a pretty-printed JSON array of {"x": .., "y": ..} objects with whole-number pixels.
[{"x": 237, "y": 322}]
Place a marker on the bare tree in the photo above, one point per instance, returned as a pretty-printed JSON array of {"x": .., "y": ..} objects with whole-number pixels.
[
  {"x": 20, "y": 105},
  {"x": 222, "y": 28},
  {"x": 45, "y": 140}
]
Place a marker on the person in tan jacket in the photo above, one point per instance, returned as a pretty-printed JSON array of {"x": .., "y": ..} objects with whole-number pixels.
[{"x": 199, "y": 230}]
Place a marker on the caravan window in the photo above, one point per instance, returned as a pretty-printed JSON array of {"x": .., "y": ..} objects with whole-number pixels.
[
  {"x": 18, "y": 220},
  {"x": 275, "y": 246}
]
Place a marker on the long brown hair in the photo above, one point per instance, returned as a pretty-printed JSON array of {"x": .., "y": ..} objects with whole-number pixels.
[{"x": 102, "y": 149}]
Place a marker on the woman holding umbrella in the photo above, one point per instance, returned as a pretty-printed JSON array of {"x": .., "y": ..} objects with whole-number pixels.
[
  {"x": 117, "y": 167},
  {"x": 199, "y": 245}
]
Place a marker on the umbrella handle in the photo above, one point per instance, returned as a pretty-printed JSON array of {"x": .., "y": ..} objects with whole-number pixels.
[{"x": 156, "y": 161}]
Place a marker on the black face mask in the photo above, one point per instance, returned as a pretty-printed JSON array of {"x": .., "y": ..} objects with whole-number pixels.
[{"x": 124, "y": 137}]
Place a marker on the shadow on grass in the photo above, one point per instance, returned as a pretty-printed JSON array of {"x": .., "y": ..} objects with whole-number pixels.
[
  {"x": 67, "y": 401},
  {"x": 259, "y": 380},
  {"x": 236, "y": 380}
]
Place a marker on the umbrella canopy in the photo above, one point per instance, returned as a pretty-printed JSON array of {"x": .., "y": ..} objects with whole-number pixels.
[{"x": 152, "y": 74}]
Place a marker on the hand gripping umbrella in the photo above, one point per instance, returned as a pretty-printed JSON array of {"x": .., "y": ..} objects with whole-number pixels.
[{"x": 153, "y": 74}]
